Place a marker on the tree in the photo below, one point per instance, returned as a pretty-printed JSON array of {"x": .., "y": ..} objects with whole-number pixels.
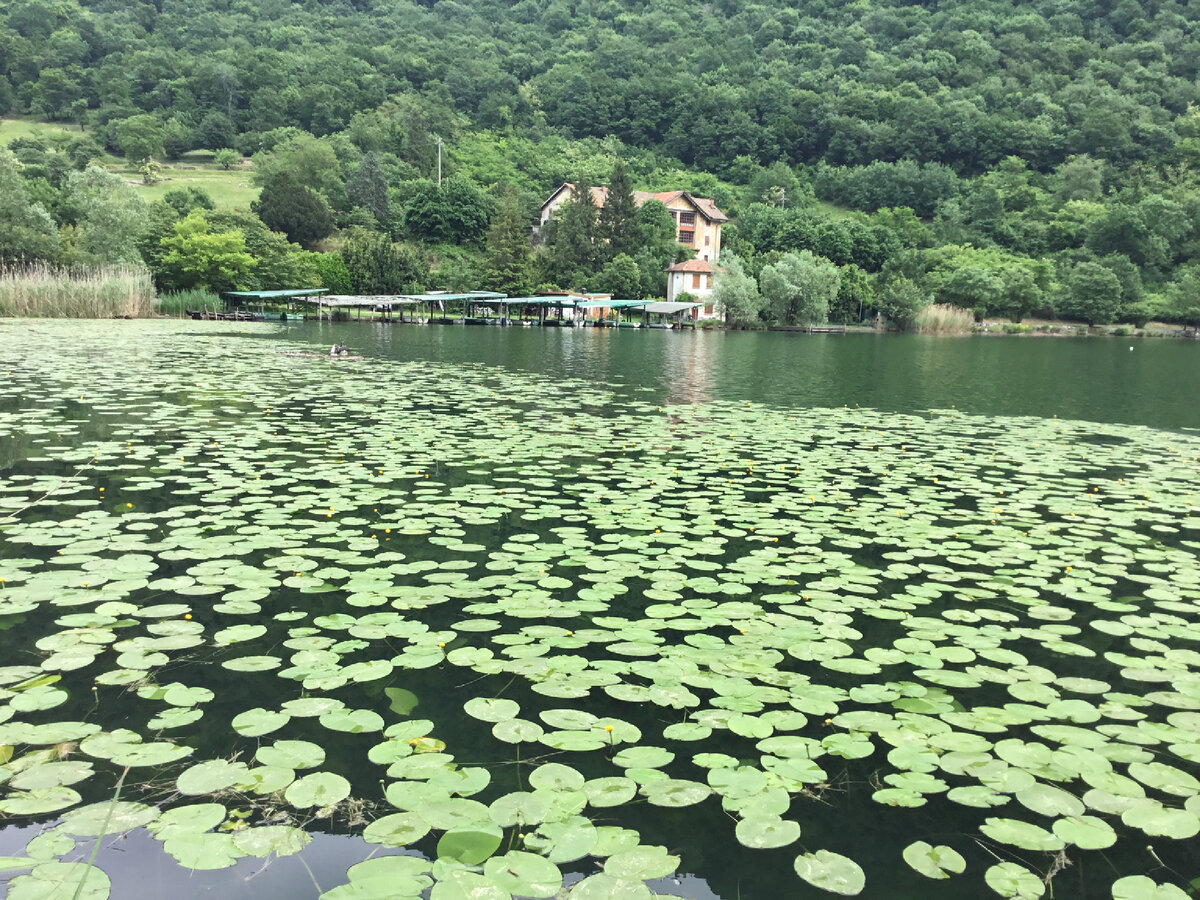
[
  {"x": 295, "y": 209},
  {"x": 735, "y": 292},
  {"x": 367, "y": 188},
  {"x": 900, "y": 301},
  {"x": 856, "y": 293},
  {"x": 198, "y": 257},
  {"x": 456, "y": 212},
  {"x": 620, "y": 277},
  {"x": 1092, "y": 294},
  {"x": 110, "y": 214},
  {"x": 27, "y": 232},
  {"x": 226, "y": 158},
  {"x": 800, "y": 287},
  {"x": 1183, "y": 298},
  {"x": 184, "y": 200},
  {"x": 310, "y": 161},
  {"x": 508, "y": 264},
  {"x": 573, "y": 254},
  {"x": 140, "y": 138},
  {"x": 618, "y": 221},
  {"x": 376, "y": 266}
]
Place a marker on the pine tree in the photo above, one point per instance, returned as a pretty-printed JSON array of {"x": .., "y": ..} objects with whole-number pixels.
[
  {"x": 573, "y": 251},
  {"x": 619, "y": 219},
  {"x": 367, "y": 187},
  {"x": 508, "y": 265}
]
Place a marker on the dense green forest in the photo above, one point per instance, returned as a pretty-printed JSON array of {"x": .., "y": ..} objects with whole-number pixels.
[{"x": 1007, "y": 158}]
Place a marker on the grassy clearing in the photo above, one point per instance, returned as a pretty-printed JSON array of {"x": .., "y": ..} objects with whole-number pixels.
[
  {"x": 42, "y": 291},
  {"x": 941, "y": 318},
  {"x": 230, "y": 190},
  {"x": 26, "y": 126}
]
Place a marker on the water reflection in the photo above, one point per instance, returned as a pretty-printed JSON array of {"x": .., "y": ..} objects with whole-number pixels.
[{"x": 1098, "y": 379}]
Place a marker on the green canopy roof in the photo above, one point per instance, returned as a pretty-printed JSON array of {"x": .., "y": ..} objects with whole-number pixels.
[
  {"x": 611, "y": 304},
  {"x": 274, "y": 295}
]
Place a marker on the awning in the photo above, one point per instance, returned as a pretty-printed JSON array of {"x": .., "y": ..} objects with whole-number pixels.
[
  {"x": 667, "y": 309},
  {"x": 274, "y": 295},
  {"x": 611, "y": 304}
]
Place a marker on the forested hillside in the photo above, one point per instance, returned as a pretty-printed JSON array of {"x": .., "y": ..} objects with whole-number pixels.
[{"x": 998, "y": 156}]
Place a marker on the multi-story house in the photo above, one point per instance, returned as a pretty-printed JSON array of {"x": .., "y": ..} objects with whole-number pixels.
[
  {"x": 697, "y": 219},
  {"x": 697, "y": 225}
]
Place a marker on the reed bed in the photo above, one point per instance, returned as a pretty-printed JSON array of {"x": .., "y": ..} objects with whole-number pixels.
[
  {"x": 45, "y": 291},
  {"x": 177, "y": 303},
  {"x": 941, "y": 318}
]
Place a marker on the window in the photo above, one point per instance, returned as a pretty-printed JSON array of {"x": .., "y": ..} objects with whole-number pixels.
[
  {"x": 696, "y": 276},
  {"x": 707, "y": 240},
  {"x": 687, "y": 237},
  {"x": 687, "y": 218}
]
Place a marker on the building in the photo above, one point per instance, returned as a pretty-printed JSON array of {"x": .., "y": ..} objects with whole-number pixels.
[
  {"x": 697, "y": 219},
  {"x": 695, "y": 277}
]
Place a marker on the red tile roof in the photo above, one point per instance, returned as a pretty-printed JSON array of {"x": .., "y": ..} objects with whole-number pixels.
[
  {"x": 692, "y": 265},
  {"x": 703, "y": 205}
]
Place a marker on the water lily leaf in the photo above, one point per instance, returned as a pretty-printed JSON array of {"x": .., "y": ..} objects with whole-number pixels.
[
  {"x": 396, "y": 830},
  {"x": 61, "y": 881},
  {"x": 263, "y": 840},
  {"x": 1140, "y": 887},
  {"x": 463, "y": 885},
  {"x": 204, "y": 851},
  {"x": 675, "y": 792},
  {"x": 934, "y": 862},
  {"x": 831, "y": 872},
  {"x": 319, "y": 789},
  {"x": 611, "y": 791},
  {"x": 210, "y": 776},
  {"x": 491, "y": 710},
  {"x": 403, "y": 701},
  {"x": 107, "y": 818},
  {"x": 193, "y": 818},
  {"x": 470, "y": 845},
  {"x": 352, "y": 721},
  {"x": 291, "y": 754},
  {"x": 1021, "y": 834},
  {"x": 1157, "y": 820},
  {"x": 555, "y": 776},
  {"x": 524, "y": 874},
  {"x": 1085, "y": 832},
  {"x": 564, "y": 842},
  {"x": 1011, "y": 880},
  {"x": 258, "y": 721},
  {"x": 515, "y": 731},
  {"x": 641, "y": 863},
  {"x": 764, "y": 832}
]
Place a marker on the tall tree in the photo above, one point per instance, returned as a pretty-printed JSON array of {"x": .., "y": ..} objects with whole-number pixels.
[
  {"x": 27, "y": 232},
  {"x": 196, "y": 256},
  {"x": 367, "y": 187},
  {"x": 618, "y": 220},
  {"x": 735, "y": 292},
  {"x": 295, "y": 209},
  {"x": 456, "y": 211},
  {"x": 573, "y": 254},
  {"x": 508, "y": 265},
  {"x": 377, "y": 266},
  {"x": 110, "y": 213}
]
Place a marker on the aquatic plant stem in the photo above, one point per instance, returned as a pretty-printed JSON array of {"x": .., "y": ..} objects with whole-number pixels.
[{"x": 103, "y": 831}]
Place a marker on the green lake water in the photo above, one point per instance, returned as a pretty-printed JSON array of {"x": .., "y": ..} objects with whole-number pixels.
[{"x": 697, "y": 614}]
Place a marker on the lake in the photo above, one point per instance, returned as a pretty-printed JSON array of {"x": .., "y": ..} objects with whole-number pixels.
[{"x": 501, "y": 612}]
